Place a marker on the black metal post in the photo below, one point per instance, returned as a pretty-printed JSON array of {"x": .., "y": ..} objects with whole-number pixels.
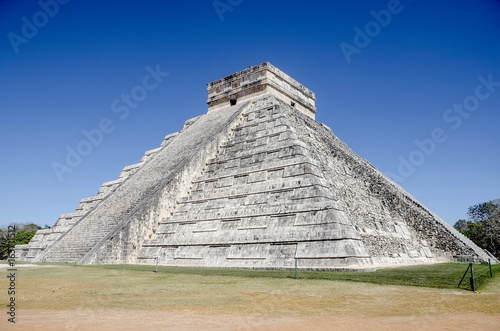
[
  {"x": 465, "y": 273},
  {"x": 489, "y": 262},
  {"x": 472, "y": 277},
  {"x": 295, "y": 268}
]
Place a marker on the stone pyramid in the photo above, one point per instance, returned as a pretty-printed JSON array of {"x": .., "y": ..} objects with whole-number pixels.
[{"x": 254, "y": 182}]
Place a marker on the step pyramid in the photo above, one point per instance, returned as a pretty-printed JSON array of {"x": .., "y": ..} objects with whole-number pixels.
[{"x": 255, "y": 182}]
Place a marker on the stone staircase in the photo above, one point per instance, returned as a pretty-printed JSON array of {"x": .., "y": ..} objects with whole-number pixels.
[
  {"x": 47, "y": 237},
  {"x": 137, "y": 184},
  {"x": 260, "y": 201}
]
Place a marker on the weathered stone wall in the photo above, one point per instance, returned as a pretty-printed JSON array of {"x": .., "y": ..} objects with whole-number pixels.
[
  {"x": 260, "y": 80},
  {"x": 46, "y": 238},
  {"x": 124, "y": 244},
  {"x": 260, "y": 203},
  {"x": 394, "y": 226},
  {"x": 129, "y": 197}
]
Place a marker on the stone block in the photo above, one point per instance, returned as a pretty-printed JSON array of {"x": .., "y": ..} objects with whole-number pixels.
[{"x": 253, "y": 252}]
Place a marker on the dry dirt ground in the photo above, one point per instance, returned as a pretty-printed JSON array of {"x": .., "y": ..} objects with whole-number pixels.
[{"x": 79, "y": 298}]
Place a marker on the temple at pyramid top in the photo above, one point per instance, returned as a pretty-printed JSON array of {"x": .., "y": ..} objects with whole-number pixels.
[{"x": 260, "y": 80}]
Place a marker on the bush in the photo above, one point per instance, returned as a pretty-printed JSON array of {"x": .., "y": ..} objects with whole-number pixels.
[
  {"x": 22, "y": 235},
  {"x": 483, "y": 226}
]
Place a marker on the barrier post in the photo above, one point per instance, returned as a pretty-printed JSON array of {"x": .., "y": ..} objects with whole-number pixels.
[{"x": 472, "y": 277}]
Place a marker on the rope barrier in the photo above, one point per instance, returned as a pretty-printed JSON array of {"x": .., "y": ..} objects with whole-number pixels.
[
  {"x": 479, "y": 272},
  {"x": 476, "y": 273}
]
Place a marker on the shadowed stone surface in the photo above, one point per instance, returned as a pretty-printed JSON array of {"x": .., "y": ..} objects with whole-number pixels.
[{"x": 255, "y": 182}]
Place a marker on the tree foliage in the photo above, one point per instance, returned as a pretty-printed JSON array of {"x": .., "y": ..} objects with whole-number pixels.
[
  {"x": 483, "y": 226},
  {"x": 15, "y": 234}
]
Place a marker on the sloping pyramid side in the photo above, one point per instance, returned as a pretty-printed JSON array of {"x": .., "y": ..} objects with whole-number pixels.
[
  {"x": 277, "y": 187},
  {"x": 261, "y": 202},
  {"x": 257, "y": 193},
  {"x": 254, "y": 185},
  {"x": 395, "y": 228},
  {"x": 116, "y": 210},
  {"x": 122, "y": 245},
  {"x": 47, "y": 237}
]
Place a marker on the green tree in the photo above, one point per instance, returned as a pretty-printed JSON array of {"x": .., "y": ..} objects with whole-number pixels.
[
  {"x": 20, "y": 235},
  {"x": 483, "y": 226},
  {"x": 461, "y": 225}
]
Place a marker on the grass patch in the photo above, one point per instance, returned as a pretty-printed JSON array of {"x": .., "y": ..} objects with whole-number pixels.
[
  {"x": 226, "y": 292},
  {"x": 134, "y": 297},
  {"x": 440, "y": 275}
]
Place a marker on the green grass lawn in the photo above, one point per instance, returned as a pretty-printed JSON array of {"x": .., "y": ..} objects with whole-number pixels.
[
  {"x": 126, "y": 296},
  {"x": 439, "y": 275},
  {"x": 403, "y": 291}
]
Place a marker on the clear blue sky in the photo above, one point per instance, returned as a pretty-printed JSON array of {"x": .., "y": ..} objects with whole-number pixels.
[{"x": 399, "y": 86}]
